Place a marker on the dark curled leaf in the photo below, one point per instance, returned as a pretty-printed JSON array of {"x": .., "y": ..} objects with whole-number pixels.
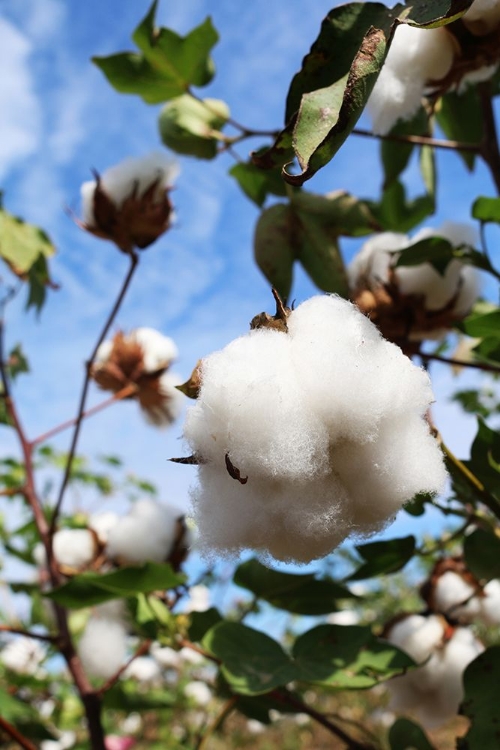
[
  {"x": 188, "y": 460},
  {"x": 233, "y": 471}
]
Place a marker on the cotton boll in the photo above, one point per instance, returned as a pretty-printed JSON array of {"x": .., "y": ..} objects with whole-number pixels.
[
  {"x": 159, "y": 350},
  {"x": 102, "y": 523},
  {"x": 74, "y": 548},
  {"x": 482, "y": 17},
  {"x": 147, "y": 532},
  {"x": 417, "y": 635},
  {"x": 103, "y": 352},
  {"x": 103, "y": 646},
  {"x": 490, "y": 603},
  {"x": 468, "y": 291},
  {"x": 167, "y": 404},
  {"x": 144, "y": 669},
  {"x": 198, "y": 692},
  {"x": 454, "y": 596},
  {"x": 372, "y": 263},
  {"x": 393, "y": 98},
  {"x": 23, "y": 655},
  {"x": 165, "y": 656}
]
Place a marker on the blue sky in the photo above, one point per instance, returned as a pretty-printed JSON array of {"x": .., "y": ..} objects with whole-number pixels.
[{"x": 198, "y": 284}]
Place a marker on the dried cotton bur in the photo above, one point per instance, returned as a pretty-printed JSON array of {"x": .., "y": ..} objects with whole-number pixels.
[
  {"x": 412, "y": 303},
  {"x": 140, "y": 361},
  {"x": 306, "y": 430}
]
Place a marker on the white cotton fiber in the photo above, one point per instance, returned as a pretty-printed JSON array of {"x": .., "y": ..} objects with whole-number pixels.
[
  {"x": 371, "y": 265},
  {"x": 198, "y": 692},
  {"x": 102, "y": 523},
  {"x": 432, "y": 692},
  {"x": 147, "y": 532},
  {"x": 455, "y": 597},
  {"x": 132, "y": 175},
  {"x": 23, "y": 655},
  {"x": 416, "y": 57},
  {"x": 103, "y": 646},
  {"x": 159, "y": 350},
  {"x": 169, "y": 404},
  {"x": 483, "y": 16},
  {"x": 74, "y": 548},
  {"x": 295, "y": 433},
  {"x": 144, "y": 669},
  {"x": 490, "y": 603}
]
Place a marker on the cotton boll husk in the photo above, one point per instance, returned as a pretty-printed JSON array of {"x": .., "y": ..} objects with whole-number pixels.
[
  {"x": 74, "y": 547},
  {"x": 417, "y": 635},
  {"x": 163, "y": 414},
  {"x": 338, "y": 352},
  {"x": 159, "y": 350},
  {"x": 455, "y": 596},
  {"x": 147, "y": 532},
  {"x": 102, "y": 523},
  {"x": 252, "y": 408},
  {"x": 490, "y": 603},
  {"x": 103, "y": 647}
]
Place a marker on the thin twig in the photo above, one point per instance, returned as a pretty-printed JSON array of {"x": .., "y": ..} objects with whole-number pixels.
[
  {"x": 16, "y": 735},
  {"x": 143, "y": 649},
  {"x": 129, "y": 390},
  {"x": 460, "y": 363},
  {"x": 299, "y": 705},
  {"x": 422, "y": 140},
  {"x": 227, "y": 708},
  {"x": 86, "y": 382},
  {"x": 28, "y": 634}
]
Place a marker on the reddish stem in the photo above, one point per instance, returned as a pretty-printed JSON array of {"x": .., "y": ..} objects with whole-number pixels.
[{"x": 23, "y": 741}]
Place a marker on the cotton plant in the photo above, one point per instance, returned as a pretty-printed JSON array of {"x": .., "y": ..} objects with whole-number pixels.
[
  {"x": 137, "y": 364},
  {"x": 434, "y": 690},
  {"x": 412, "y": 303},
  {"x": 291, "y": 463},
  {"x": 129, "y": 203}
]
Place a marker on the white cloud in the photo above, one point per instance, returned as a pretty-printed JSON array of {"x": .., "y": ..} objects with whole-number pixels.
[{"x": 20, "y": 115}]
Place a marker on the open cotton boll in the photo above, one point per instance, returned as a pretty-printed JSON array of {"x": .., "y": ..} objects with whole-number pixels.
[
  {"x": 159, "y": 350},
  {"x": 165, "y": 656},
  {"x": 143, "y": 669},
  {"x": 456, "y": 597},
  {"x": 490, "y": 603},
  {"x": 482, "y": 17},
  {"x": 373, "y": 262},
  {"x": 417, "y": 635},
  {"x": 415, "y": 57},
  {"x": 147, "y": 532},
  {"x": 74, "y": 548},
  {"x": 168, "y": 403},
  {"x": 198, "y": 692},
  {"x": 131, "y": 176},
  {"x": 291, "y": 431},
  {"x": 103, "y": 646},
  {"x": 476, "y": 76},
  {"x": 102, "y": 523},
  {"x": 22, "y": 655}
]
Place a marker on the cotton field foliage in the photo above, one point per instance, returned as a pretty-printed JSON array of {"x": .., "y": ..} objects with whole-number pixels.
[{"x": 308, "y": 435}]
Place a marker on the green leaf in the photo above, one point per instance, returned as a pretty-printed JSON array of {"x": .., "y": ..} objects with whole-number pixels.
[
  {"x": 482, "y": 554},
  {"x": 12, "y": 708},
  {"x": 201, "y": 622},
  {"x": 17, "y": 362},
  {"x": 339, "y": 211},
  {"x": 88, "y": 589},
  {"x": 257, "y": 183},
  {"x": 301, "y": 594},
  {"x": 480, "y": 704},
  {"x": 459, "y": 117},
  {"x": 434, "y": 250},
  {"x": 483, "y": 324},
  {"x": 274, "y": 246},
  {"x": 167, "y": 64},
  {"x": 348, "y": 657},
  {"x": 319, "y": 254},
  {"x": 192, "y": 126},
  {"x": 397, "y": 214},
  {"x": 485, "y": 447},
  {"x": 486, "y": 209},
  {"x": 382, "y": 558},
  {"x": 435, "y": 13},
  {"x": 252, "y": 662},
  {"x": 124, "y": 698},
  {"x": 406, "y": 735}
]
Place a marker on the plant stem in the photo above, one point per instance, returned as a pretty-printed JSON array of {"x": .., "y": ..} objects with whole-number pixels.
[
  {"x": 143, "y": 649},
  {"x": 227, "y": 708},
  {"x": 23, "y": 741},
  {"x": 490, "y": 151},
  {"x": 460, "y": 363},
  {"x": 422, "y": 140},
  {"x": 295, "y": 703},
  {"x": 86, "y": 382},
  {"x": 27, "y": 634},
  {"x": 125, "y": 392}
]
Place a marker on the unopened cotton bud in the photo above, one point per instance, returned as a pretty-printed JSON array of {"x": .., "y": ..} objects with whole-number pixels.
[
  {"x": 309, "y": 435},
  {"x": 103, "y": 646},
  {"x": 128, "y": 204},
  {"x": 415, "y": 58},
  {"x": 22, "y": 655},
  {"x": 147, "y": 532}
]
